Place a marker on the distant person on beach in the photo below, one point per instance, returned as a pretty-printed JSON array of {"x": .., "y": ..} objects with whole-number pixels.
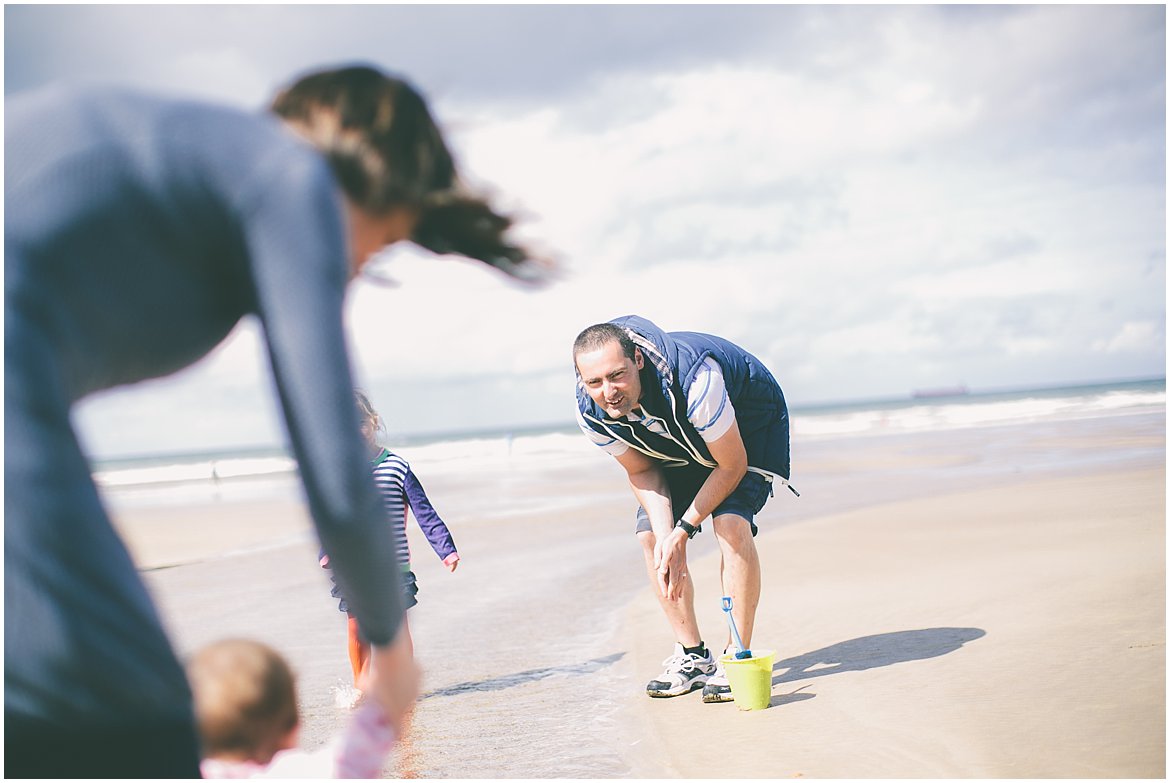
[
  {"x": 249, "y": 723},
  {"x": 401, "y": 493},
  {"x": 701, "y": 428},
  {"x": 139, "y": 230}
]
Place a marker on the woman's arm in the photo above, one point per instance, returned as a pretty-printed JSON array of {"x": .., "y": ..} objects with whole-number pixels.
[{"x": 293, "y": 225}]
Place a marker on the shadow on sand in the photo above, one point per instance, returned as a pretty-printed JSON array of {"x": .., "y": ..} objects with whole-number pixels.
[
  {"x": 870, "y": 652},
  {"x": 520, "y": 678},
  {"x": 866, "y": 652}
]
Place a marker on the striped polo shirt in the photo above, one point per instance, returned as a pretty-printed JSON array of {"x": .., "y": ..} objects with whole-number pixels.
[{"x": 709, "y": 409}]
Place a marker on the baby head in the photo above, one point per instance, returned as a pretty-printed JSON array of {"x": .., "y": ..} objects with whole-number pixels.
[{"x": 245, "y": 700}]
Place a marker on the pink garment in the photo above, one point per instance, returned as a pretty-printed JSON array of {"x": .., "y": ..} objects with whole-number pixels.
[{"x": 358, "y": 752}]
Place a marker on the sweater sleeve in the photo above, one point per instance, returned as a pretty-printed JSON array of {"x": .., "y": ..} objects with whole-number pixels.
[
  {"x": 362, "y": 750},
  {"x": 428, "y": 519},
  {"x": 299, "y": 268},
  {"x": 359, "y": 752}
]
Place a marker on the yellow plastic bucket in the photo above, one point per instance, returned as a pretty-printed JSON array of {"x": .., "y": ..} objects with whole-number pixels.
[{"x": 750, "y": 679}]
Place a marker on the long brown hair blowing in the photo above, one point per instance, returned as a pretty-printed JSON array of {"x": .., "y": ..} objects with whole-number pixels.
[{"x": 386, "y": 151}]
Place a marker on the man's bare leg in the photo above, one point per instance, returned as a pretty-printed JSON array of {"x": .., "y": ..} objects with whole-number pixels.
[
  {"x": 690, "y": 672},
  {"x": 739, "y": 571}
]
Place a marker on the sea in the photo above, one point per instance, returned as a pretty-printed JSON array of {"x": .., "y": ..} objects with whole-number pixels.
[{"x": 180, "y": 478}]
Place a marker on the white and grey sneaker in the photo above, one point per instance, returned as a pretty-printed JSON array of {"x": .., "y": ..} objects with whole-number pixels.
[
  {"x": 683, "y": 674},
  {"x": 717, "y": 688}
]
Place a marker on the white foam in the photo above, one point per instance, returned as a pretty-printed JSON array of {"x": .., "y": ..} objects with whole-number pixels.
[
  {"x": 975, "y": 412},
  {"x": 345, "y": 697},
  {"x": 205, "y": 470},
  {"x": 550, "y": 450}
]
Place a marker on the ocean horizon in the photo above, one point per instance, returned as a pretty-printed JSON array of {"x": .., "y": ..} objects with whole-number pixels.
[{"x": 941, "y": 410}]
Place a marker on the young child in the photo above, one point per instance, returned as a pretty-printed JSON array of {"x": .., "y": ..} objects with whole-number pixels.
[
  {"x": 246, "y": 710},
  {"x": 401, "y": 492}
]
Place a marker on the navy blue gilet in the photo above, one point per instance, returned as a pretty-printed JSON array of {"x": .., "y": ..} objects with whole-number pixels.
[{"x": 672, "y": 361}]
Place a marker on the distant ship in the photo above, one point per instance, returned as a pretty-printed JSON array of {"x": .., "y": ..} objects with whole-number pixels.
[{"x": 946, "y": 391}]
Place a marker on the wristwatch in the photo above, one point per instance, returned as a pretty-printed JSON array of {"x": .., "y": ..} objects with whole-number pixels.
[{"x": 688, "y": 528}]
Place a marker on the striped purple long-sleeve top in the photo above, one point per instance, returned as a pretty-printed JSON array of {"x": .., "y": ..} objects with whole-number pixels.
[{"x": 401, "y": 490}]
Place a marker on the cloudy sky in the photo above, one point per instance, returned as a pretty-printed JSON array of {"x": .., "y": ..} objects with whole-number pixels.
[{"x": 872, "y": 199}]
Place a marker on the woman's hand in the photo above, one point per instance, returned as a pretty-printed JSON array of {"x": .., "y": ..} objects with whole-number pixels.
[{"x": 394, "y": 680}]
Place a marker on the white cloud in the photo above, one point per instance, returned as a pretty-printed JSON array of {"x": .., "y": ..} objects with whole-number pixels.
[
  {"x": 212, "y": 69},
  {"x": 1134, "y": 336},
  {"x": 818, "y": 216},
  {"x": 871, "y": 199}
]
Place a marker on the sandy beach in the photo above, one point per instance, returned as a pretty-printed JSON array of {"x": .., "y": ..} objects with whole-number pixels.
[
  {"x": 1014, "y": 632},
  {"x": 978, "y": 603}
]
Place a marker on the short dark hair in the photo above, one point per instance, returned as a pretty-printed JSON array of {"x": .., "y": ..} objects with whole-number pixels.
[
  {"x": 598, "y": 335},
  {"x": 386, "y": 151}
]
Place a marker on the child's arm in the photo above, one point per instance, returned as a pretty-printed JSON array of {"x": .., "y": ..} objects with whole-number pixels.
[
  {"x": 430, "y": 522},
  {"x": 362, "y": 750},
  {"x": 358, "y": 752}
]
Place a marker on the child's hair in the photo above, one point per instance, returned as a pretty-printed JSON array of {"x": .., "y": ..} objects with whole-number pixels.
[
  {"x": 366, "y": 412},
  {"x": 245, "y": 699},
  {"x": 386, "y": 151}
]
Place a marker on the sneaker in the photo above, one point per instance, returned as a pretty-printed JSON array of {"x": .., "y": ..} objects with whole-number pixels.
[
  {"x": 717, "y": 688},
  {"x": 683, "y": 674}
]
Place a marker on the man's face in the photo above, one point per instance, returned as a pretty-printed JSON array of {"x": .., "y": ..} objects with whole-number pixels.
[{"x": 611, "y": 378}]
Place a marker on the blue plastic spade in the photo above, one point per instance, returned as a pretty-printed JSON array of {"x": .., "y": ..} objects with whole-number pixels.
[{"x": 740, "y": 652}]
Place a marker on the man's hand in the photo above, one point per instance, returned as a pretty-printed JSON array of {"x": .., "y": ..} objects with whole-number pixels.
[
  {"x": 670, "y": 559},
  {"x": 394, "y": 680}
]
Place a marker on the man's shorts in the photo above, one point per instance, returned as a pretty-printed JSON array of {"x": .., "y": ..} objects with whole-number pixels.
[{"x": 745, "y": 500}]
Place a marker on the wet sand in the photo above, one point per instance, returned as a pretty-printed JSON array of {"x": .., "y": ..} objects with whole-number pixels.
[{"x": 975, "y": 603}]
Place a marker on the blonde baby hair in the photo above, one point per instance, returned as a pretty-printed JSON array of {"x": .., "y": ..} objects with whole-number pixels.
[{"x": 245, "y": 700}]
